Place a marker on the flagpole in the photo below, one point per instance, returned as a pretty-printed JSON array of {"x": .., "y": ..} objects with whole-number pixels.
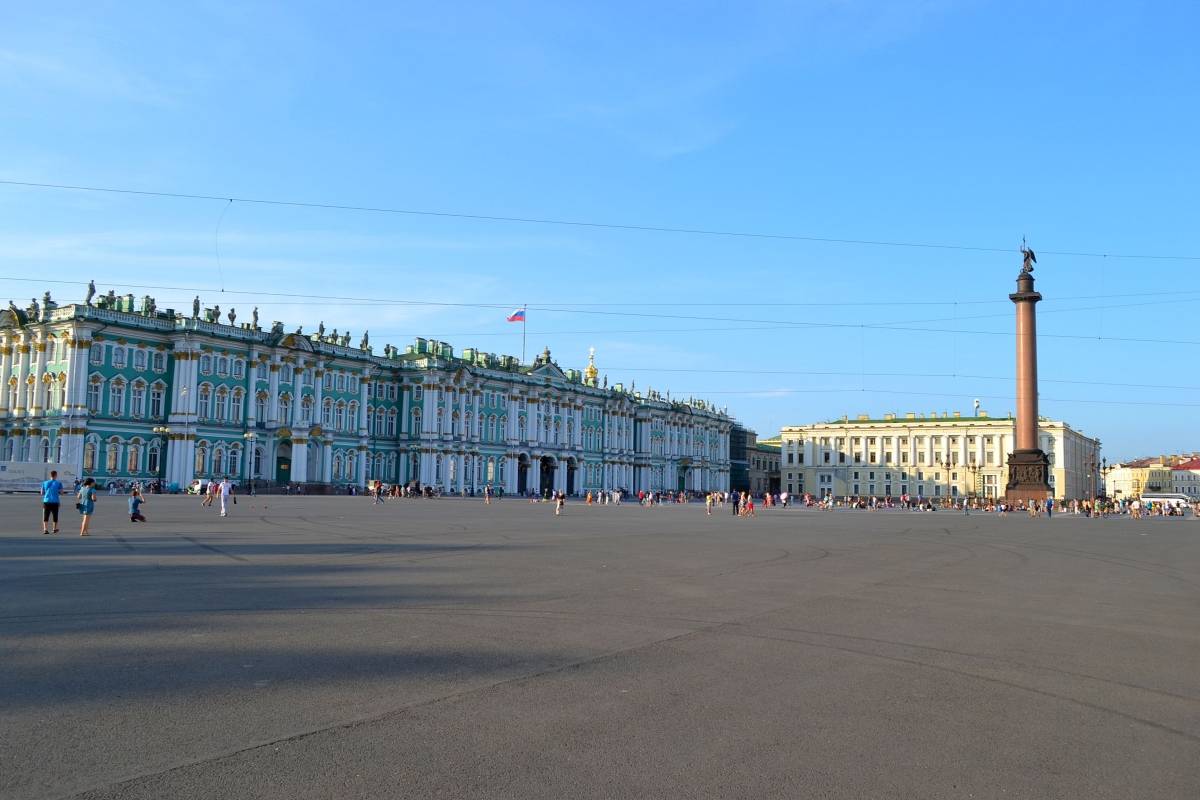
[{"x": 524, "y": 318}]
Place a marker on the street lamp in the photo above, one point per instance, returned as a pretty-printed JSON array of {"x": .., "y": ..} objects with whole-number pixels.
[
  {"x": 946, "y": 466},
  {"x": 165, "y": 433},
  {"x": 250, "y": 437}
]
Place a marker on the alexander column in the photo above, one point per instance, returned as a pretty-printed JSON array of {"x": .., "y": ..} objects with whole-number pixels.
[{"x": 1028, "y": 466}]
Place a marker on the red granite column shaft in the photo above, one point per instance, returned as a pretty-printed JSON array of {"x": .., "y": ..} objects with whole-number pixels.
[{"x": 1027, "y": 378}]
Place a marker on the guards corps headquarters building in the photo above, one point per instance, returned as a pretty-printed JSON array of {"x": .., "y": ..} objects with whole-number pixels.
[{"x": 119, "y": 390}]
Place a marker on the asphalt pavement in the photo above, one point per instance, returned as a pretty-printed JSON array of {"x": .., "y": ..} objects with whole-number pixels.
[{"x": 311, "y": 647}]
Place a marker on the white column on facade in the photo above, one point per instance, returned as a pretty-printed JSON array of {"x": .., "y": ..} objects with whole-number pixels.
[
  {"x": 364, "y": 397},
  {"x": 429, "y": 412},
  {"x": 405, "y": 409},
  {"x": 20, "y": 371},
  {"x": 39, "y": 371},
  {"x": 6, "y": 371},
  {"x": 299, "y": 469},
  {"x": 297, "y": 394},
  {"x": 360, "y": 466},
  {"x": 273, "y": 393}
]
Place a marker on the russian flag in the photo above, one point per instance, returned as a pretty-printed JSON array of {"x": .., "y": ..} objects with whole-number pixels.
[{"x": 517, "y": 316}]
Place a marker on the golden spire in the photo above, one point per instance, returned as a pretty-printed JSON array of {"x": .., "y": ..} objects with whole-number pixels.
[{"x": 591, "y": 372}]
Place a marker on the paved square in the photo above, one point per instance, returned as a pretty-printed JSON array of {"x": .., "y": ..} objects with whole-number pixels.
[{"x": 325, "y": 647}]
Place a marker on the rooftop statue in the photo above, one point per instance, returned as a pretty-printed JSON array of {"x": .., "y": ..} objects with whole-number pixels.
[{"x": 91, "y": 292}]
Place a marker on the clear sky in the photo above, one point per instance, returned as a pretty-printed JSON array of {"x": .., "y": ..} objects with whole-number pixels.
[{"x": 964, "y": 123}]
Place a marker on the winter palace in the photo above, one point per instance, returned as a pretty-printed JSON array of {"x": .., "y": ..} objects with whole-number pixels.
[{"x": 119, "y": 389}]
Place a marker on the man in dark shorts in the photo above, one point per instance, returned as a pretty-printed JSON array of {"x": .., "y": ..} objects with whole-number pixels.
[{"x": 51, "y": 490}]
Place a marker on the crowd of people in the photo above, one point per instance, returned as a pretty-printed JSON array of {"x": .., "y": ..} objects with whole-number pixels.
[{"x": 221, "y": 492}]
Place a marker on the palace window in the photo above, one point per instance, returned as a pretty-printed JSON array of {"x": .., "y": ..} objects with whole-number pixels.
[
  {"x": 116, "y": 398},
  {"x": 158, "y": 361},
  {"x": 112, "y": 457},
  {"x": 93, "y": 395},
  {"x": 235, "y": 406},
  {"x": 306, "y": 410},
  {"x": 118, "y": 357},
  {"x": 327, "y": 412},
  {"x": 239, "y": 368},
  {"x": 327, "y": 380},
  {"x": 139, "y": 359},
  {"x": 285, "y": 408},
  {"x": 137, "y": 405},
  {"x": 96, "y": 354},
  {"x": 285, "y": 373},
  {"x": 223, "y": 365},
  {"x": 204, "y": 403},
  {"x": 152, "y": 459},
  {"x": 339, "y": 416},
  {"x": 260, "y": 406},
  {"x": 262, "y": 372},
  {"x": 89, "y": 456},
  {"x": 222, "y": 404},
  {"x": 352, "y": 416},
  {"x": 391, "y": 423},
  {"x": 133, "y": 456},
  {"x": 201, "y": 460},
  {"x": 205, "y": 365}
]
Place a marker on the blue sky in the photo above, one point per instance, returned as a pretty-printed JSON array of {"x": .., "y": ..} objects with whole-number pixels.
[{"x": 965, "y": 123}]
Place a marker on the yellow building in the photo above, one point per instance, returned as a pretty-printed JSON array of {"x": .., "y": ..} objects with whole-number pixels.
[
  {"x": 1129, "y": 480},
  {"x": 939, "y": 455}
]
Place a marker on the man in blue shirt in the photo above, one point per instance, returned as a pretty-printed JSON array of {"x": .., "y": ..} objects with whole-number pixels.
[{"x": 51, "y": 489}]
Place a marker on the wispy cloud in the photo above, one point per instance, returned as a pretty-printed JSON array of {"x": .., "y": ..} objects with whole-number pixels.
[{"x": 82, "y": 73}]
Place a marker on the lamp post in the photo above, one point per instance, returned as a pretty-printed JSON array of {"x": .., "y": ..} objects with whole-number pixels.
[
  {"x": 165, "y": 433},
  {"x": 946, "y": 466},
  {"x": 250, "y": 437}
]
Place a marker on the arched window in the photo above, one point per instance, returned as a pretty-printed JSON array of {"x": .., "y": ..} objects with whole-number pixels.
[
  {"x": 521, "y": 427},
  {"x": 337, "y": 466},
  {"x": 440, "y": 419},
  {"x": 257, "y": 465},
  {"x": 285, "y": 407},
  {"x": 45, "y": 451},
  {"x": 58, "y": 450},
  {"x": 391, "y": 423},
  {"x": 137, "y": 399},
  {"x": 201, "y": 458},
  {"x": 455, "y": 423},
  {"x": 218, "y": 459},
  {"x": 112, "y": 456},
  {"x": 235, "y": 406},
  {"x": 153, "y": 456},
  {"x": 221, "y": 408},
  {"x": 204, "y": 405},
  {"x": 133, "y": 456},
  {"x": 116, "y": 398},
  {"x": 327, "y": 410},
  {"x": 339, "y": 416},
  {"x": 260, "y": 406},
  {"x": 352, "y": 416},
  {"x": 415, "y": 422},
  {"x": 158, "y": 394},
  {"x": 233, "y": 461},
  {"x": 306, "y": 410},
  {"x": 89, "y": 454},
  {"x": 62, "y": 390}
]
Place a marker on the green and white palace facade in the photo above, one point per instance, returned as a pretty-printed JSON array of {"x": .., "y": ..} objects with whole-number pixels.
[{"x": 119, "y": 392}]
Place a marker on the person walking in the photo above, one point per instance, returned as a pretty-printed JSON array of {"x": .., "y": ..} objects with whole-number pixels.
[
  {"x": 135, "y": 505},
  {"x": 560, "y": 499},
  {"x": 225, "y": 489},
  {"x": 85, "y": 501},
  {"x": 51, "y": 490},
  {"x": 210, "y": 493}
]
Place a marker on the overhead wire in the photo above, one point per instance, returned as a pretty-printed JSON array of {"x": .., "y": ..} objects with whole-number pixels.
[{"x": 712, "y": 232}]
